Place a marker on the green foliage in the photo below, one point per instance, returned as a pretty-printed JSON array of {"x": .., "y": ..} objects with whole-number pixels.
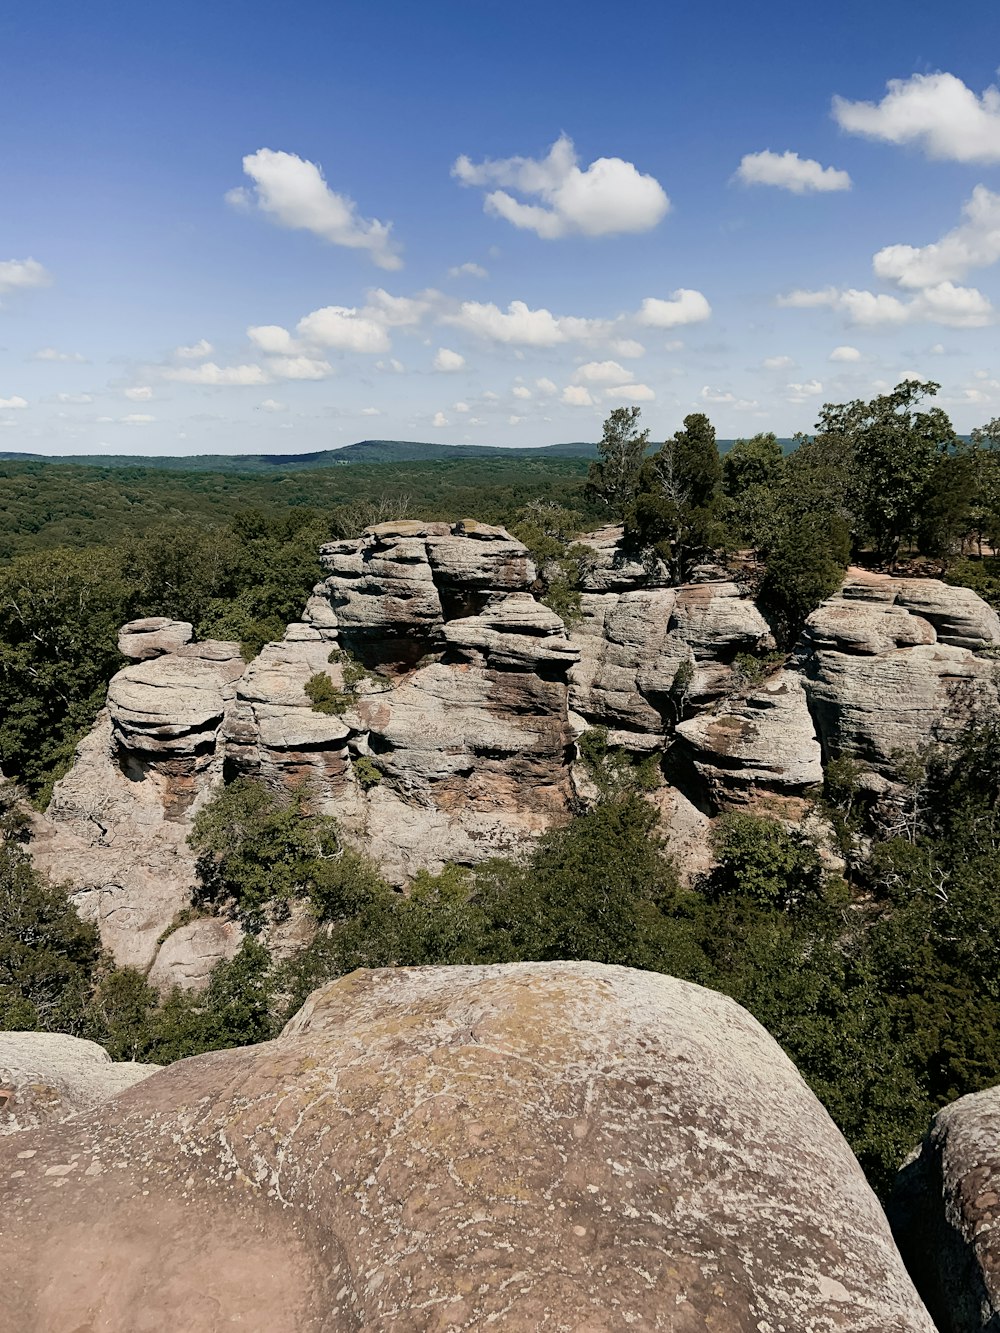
[
  {"x": 324, "y": 696},
  {"x": 615, "y": 771},
  {"x": 257, "y": 849},
  {"x": 675, "y": 508},
  {"x": 761, "y": 859},
  {"x": 613, "y": 479},
  {"x": 367, "y": 773},
  {"x": 805, "y": 565},
  {"x": 752, "y": 476}
]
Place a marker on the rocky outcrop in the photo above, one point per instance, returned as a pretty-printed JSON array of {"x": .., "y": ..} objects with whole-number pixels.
[
  {"x": 46, "y": 1077},
  {"x": 890, "y": 664},
  {"x": 532, "y": 1147},
  {"x": 945, "y": 1213}
]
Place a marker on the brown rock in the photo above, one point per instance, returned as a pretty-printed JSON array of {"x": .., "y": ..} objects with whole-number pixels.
[{"x": 531, "y": 1147}]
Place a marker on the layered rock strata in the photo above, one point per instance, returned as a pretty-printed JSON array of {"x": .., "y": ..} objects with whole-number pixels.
[{"x": 535, "y": 1146}]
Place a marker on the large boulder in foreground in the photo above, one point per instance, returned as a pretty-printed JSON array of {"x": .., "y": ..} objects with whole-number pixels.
[
  {"x": 559, "y": 1146},
  {"x": 945, "y": 1211},
  {"x": 45, "y": 1077}
]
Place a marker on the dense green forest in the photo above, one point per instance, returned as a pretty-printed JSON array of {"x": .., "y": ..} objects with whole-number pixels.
[{"x": 883, "y": 983}]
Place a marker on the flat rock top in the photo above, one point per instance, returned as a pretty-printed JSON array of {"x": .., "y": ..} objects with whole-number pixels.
[{"x": 533, "y": 1146}]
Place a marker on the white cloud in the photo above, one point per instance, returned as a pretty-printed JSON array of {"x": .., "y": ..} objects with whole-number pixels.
[
  {"x": 521, "y": 391},
  {"x": 397, "y": 311},
  {"x": 602, "y": 372},
  {"x": 788, "y": 171},
  {"x": 627, "y": 347},
  {"x": 975, "y": 243},
  {"x": 956, "y": 307},
  {"x": 142, "y": 393},
  {"x": 937, "y": 349},
  {"x": 392, "y": 366},
  {"x": 460, "y": 407},
  {"x": 343, "y": 328},
  {"x": 845, "y": 354},
  {"x": 75, "y": 398},
  {"x": 137, "y": 419},
  {"x": 674, "y": 345},
  {"x": 20, "y": 274},
  {"x": 210, "y": 373},
  {"x": 514, "y": 420},
  {"x": 53, "y": 354},
  {"x": 469, "y": 270},
  {"x": 446, "y": 360},
  {"x": 293, "y": 193},
  {"x": 711, "y": 395},
  {"x": 801, "y": 393},
  {"x": 545, "y": 386},
  {"x": 197, "y": 350},
  {"x": 631, "y": 393},
  {"x": 576, "y": 395},
  {"x": 777, "y": 362},
  {"x": 521, "y": 325},
  {"x": 684, "y": 307},
  {"x": 440, "y": 420},
  {"x": 16, "y": 401},
  {"x": 936, "y": 111},
  {"x": 272, "y": 339},
  {"x": 299, "y": 368},
  {"x": 611, "y": 196},
  {"x": 370, "y": 412},
  {"x": 272, "y": 405}
]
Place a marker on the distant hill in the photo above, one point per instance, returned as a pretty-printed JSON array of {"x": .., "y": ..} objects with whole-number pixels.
[{"x": 365, "y": 451}]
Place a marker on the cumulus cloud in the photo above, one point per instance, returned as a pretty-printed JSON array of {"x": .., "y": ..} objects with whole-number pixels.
[
  {"x": 195, "y": 352},
  {"x": 602, "y": 372},
  {"x": 392, "y": 366},
  {"x": 631, "y": 393},
  {"x": 546, "y": 386},
  {"x": 627, "y": 347},
  {"x": 577, "y": 395},
  {"x": 447, "y": 360},
  {"x": 344, "y": 328},
  {"x": 801, "y": 393},
  {"x": 75, "y": 398},
  {"x": 684, "y": 307},
  {"x": 272, "y": 405},
  {"x": 292, "y": 192},
  {"x": 20, "y": 274},
  {"x": 16, "y": 401},
  {"x": 609, "y": 197},
  {"x": 845, "y": 353},
  {"x": 272, "y": 339},
  {"x": 299, "y": 368},
  {"x": 519, "y": 325},
  {"x": 974, "y": 243},
  {"x": 468, "y": 270},
  {"x": 777, "y": 362},
  {"x": 460, "y": 407},
  {"x": 521, "y": 391},
  {"x": 956, "y": 307},
  {"x": 439, "y": 420},
  {"x": 370, "y": 412},
  {"x": 142, "y": 393},
  {"x": 53, "y": 354},
  {"x": 137, "y": 419},
  {"x": 210, "y": 373},
  {"x": 398, "y": 311},
  {"x": 936, "y": 111},
  {"x": 710, "y": 395},
  {"x": 788, "y": 171}
]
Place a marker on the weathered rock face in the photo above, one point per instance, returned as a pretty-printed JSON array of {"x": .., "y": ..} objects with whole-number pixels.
[
  {"x": 536, "y": 1147},
  {"x": 46, "y": 1077},
  {"x": 887, "y": 662},
  {"x": 945, "y": 1211}
]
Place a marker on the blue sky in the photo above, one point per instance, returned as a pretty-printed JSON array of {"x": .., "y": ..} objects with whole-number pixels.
[{"x": 244, "y": 227}]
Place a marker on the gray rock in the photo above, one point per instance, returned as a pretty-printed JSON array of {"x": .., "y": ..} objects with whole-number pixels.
[
  {"x": 153, "y": 637},
  {"x": 46, "y": 1077},
  {"x": 557, "y": 1146},
  {"x": 945, "y": 1213}
]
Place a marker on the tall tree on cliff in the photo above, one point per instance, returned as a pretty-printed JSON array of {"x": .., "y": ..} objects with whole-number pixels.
[
  {"x": 613, "y": 479},
  {"x": 678, "y": 495}
]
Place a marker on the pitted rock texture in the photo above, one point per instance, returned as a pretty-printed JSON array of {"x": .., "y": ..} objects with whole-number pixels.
[
  {"x": 890, "y": 664},
  {"x": 531, "y": 1147},
  {"x": 46, "y": 1077},
  {"x": 762, "y": 740},
  {"x": 945, "y": 1213}
]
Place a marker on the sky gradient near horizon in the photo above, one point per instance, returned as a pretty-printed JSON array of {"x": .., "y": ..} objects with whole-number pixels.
[{"x": 244, "y": 228}]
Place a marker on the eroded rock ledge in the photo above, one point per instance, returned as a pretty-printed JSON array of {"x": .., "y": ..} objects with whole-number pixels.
[
  {"x": 468, "y": 716},
  {"x": 559, "y": 1146}
]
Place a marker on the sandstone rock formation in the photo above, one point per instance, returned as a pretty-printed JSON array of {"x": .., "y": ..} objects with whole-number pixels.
[
  {"x": 945, "y": 1212},
  {"x": 463, "y": 729},
  {"x": 531, "y": 1147},
  {"x": 46, "y": 1077}
]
